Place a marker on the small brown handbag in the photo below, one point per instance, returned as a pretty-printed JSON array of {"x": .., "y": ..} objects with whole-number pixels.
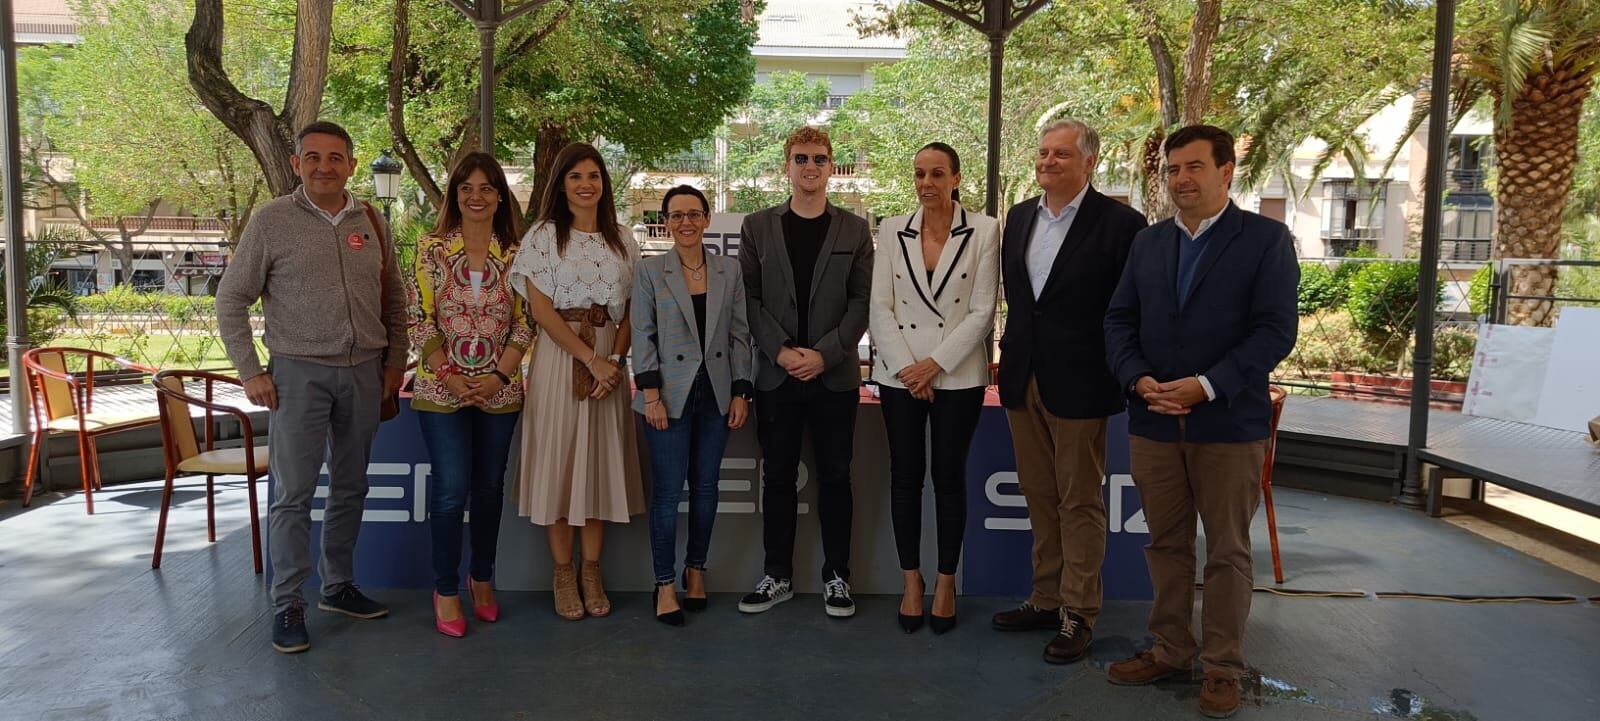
[{"x": 391, "y": 402}]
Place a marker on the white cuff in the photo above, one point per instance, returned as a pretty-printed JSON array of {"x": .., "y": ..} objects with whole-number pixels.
[{"x": 1211, "y": 393}]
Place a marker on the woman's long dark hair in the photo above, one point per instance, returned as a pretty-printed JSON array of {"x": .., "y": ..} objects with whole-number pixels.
[
  {"x": 507, "y": 216},
  {"x": 553, "y": 207}
]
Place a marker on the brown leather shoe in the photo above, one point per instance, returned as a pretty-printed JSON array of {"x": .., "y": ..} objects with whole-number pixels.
[
  {"x": 1027, "y": 617},
  {"x": 1140, "y": 670},
  {"x": 1219, "y": 695},
  {"x": 1071, "y": 641}
]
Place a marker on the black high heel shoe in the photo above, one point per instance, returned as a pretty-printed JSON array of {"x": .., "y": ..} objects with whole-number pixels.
[
  {"x": 691, "y": 603},
  {"x": 671, "y": 618},
  {"x": 911, "y": 624},
  {"x": 940, "y": 624}
]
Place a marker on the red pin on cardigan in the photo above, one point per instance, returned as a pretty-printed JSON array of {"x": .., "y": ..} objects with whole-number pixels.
[{"x": 355, "y": 241}]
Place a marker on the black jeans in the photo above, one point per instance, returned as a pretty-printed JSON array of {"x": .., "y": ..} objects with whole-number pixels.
[
  {"x": 468, "y": 449},
  {"x": 954, "y": 417},
  {"x": 783, "y": 415}
]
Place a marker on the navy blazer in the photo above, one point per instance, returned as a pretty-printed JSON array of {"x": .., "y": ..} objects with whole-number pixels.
[
  {"x": 1058, "y": 338},
  {"x": 1239, "y": 321}
]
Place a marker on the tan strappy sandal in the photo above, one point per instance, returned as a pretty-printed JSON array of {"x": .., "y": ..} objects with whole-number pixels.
[
  {"x": 594, "y": 596},
  {"x": 568, "y": 604}
]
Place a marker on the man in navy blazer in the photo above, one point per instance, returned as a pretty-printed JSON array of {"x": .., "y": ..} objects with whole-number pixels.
[
  {"x": 1204, "y": 311},
  {"x": 1062, "y": 254}
]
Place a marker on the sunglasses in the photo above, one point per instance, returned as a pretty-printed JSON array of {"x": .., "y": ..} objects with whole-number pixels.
[{"x": 818, "y": 160}]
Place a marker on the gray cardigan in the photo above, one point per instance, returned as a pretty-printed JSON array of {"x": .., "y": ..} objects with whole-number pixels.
[
  {"x": 321, "y": 287},
  {"x": 667, "y": 348}
]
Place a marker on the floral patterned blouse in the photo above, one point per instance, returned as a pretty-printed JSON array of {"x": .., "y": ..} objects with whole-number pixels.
[{"x": 473, "y": 325}]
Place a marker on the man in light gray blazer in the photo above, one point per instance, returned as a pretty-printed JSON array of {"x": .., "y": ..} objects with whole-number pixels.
[{"x": 808, "y": 282}]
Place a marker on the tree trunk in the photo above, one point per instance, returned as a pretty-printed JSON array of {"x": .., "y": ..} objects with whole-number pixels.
[
  {"x": 269, "y": 136},
  {"x": 1537, "y": 152},
  {"x": 552, "y": 138},
  {"x": 1153, "y": 190},
  {"x": 399, "y": 55},
  {"x": 1197, "y": 60}
]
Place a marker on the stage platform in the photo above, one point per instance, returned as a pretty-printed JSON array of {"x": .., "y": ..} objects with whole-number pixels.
[{"x": 89, "y": 631}]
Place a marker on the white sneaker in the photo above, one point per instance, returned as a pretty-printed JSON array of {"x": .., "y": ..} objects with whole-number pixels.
[{"x": 769, "y": 592}]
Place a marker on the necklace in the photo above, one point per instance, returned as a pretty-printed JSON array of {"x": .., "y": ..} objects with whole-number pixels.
[{"x": 697, "y": 272}]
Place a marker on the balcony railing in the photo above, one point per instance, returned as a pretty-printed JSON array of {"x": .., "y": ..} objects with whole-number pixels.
[
  {"x": 1466, "y": 249},
  {"x": 1467, "y": 181}
]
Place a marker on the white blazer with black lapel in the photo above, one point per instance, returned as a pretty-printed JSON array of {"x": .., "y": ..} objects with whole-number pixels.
[
  {"x": 667, "y": 347},
  {"x": 951, "y": 317}
]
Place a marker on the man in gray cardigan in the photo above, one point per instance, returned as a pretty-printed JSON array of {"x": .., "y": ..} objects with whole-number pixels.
[
  {"x": 336, "y": 331},
  {"x": 808, "y": 280}
]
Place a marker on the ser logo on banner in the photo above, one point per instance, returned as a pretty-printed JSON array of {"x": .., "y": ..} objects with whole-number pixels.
[
  {"x": 392, "y": 484},
  {"x": 1115, "y": 522}
]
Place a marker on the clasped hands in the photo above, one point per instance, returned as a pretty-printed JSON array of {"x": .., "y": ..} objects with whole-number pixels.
[
  {"x": 1173, "y": 398},
  {"x": 919, "y": 377},
  {"x": 803, "y": 364},
  {"x": 475, "y": 391}
]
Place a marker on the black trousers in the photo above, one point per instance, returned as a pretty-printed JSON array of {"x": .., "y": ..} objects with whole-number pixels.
[
  {"x": 783, "y": 415},
  {"x": 953, "y": 415}
]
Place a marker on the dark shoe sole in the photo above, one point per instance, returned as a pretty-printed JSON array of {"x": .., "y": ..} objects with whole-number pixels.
[
  {"x": 941, "y": 625},
  {"x": 671, "y": 618},
  {"x": 1163, "y": 677},
  {"x": 1064, "y": 660},
  {"x": 1043, "y": 626},
  {"x": 694, "y": 605},
  {"x": 323, "y": 605},
  {"x": 291, "y": 649}
]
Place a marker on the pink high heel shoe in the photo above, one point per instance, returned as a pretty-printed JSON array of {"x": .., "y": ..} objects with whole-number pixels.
[
  {"x": 488, "y": 612},
  {"x": 456, "y": 628}
]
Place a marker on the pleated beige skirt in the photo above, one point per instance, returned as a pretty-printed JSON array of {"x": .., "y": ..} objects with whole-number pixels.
[{"x": 578, "y": 459}]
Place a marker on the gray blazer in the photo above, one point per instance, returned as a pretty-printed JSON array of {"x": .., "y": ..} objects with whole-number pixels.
[
  {"x": 841, "y": 290},
  {"x": 667, "y": 351}
]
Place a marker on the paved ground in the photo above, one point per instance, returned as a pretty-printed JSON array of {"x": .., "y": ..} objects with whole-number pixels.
[{"x": 89, "y": 631}]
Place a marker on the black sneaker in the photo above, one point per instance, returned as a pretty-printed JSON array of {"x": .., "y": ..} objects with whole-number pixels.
[
  {"x": 836, "y": 598},
  {"x": 769, "y": 592},
  {"x": 351, "y": 602},
  {"x": 289, "y": 630}
]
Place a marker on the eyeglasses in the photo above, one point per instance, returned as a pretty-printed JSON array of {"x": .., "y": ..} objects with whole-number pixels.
[
  {"x": 693, "y": 216},
  {"x": 818, "y": 160}
]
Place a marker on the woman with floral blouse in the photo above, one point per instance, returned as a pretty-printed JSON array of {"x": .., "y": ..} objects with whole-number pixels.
[{"x": 470, "y": 329}]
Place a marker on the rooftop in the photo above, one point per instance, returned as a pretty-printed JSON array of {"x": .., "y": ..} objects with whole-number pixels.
[{"x": 822, "y": 28}]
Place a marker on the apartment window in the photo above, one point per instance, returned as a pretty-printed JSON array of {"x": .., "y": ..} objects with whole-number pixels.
[
  {"x": 1274, "y": 208},
  {"x": 1468, "y": 232},
  {"x": 1352, "y": 215}
]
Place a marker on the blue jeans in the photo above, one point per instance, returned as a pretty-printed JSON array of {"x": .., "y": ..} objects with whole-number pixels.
[
  {"x": 468, "y": 449},
  {"x": 690, "y": 448}
]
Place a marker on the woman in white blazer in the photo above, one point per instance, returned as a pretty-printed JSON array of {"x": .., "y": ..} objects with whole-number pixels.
[{"x": 935, "y": 276}]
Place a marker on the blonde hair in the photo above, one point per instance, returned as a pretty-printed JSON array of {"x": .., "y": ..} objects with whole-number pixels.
[{"x": 807, "y": 135}]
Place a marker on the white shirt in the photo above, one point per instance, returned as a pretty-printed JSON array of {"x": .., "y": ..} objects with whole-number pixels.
[
  {"x": 587, "y": 273},
  {"x": 1049, "y": 232},
  {"x": 349, "y": 205},
  {"x": 1211, "y": 394}
]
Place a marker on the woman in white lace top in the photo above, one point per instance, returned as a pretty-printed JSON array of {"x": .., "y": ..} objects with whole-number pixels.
[{"x": 579, "y": 465}]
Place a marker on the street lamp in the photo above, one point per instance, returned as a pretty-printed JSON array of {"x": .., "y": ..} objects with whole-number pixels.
[{"x": 386, "y": 181}]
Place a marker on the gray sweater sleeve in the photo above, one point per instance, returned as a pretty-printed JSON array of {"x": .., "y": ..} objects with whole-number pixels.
[{"x": 240, "y": 288}]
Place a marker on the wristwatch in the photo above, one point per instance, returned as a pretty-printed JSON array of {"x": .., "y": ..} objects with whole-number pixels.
[
  {"x": 615, "y": 358},
  {"x": 504, "y": 379}
]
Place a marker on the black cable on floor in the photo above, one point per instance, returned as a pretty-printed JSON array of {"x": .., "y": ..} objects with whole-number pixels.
[{"x": 1414, "y": 596}]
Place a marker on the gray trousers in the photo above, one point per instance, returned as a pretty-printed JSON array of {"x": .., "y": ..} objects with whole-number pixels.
[{"x": 324, "y": 412}]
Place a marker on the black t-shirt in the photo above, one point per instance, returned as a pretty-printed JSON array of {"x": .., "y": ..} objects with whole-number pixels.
[
  {"x": 699, "y": 300},
  {"x": 804, "y": 238}
]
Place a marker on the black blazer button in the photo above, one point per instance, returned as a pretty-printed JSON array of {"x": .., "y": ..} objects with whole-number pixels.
[
  {"x": 902, "y": 302},
  {"x": 963, "y": 275},
  {"x": 902, "y": 326},
  {"x": 913, "y": 326},
  {"x": 958, "y": 300},
  {"x": 941, "y": 325},
  {"x": 719, "y": 354},
  {"x": 680, "y": 357},
  {"x": 897, "y": 276}
]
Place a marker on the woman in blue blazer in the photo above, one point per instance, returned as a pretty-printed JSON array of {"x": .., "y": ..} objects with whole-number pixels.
[{"x": 692, "y": 366}]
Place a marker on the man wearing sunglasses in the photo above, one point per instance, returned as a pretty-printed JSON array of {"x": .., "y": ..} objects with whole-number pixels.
[{"x": 808, "y": 276}]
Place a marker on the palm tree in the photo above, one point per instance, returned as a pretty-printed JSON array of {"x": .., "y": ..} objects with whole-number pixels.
[{"x": 1537, "y": 60}]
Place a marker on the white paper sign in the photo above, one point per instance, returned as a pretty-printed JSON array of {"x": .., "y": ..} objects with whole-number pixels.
[
  {"x": 1508, "y": 369},
  {"x": 1572, "y": 380}
]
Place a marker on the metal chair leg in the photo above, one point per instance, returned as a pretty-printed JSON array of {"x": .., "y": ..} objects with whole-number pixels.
[{"x": 255, "y": 520}]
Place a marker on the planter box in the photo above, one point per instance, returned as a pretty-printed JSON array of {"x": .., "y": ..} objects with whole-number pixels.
[{"x": 1444, "y": 395}]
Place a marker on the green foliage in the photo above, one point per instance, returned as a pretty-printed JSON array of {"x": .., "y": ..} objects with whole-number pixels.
[
  {"x": 176, "y": 308},
  {"x": 1383, "y": 299},
  {"x": 1478, "y": 292},
  {"x": 120, "y": 106},
  {"x": 754, "y": 166},
  {"x": 651, "y": 77},
  {"x": 48, "y": 305},
  {"x": 1318, "y": 291}
]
